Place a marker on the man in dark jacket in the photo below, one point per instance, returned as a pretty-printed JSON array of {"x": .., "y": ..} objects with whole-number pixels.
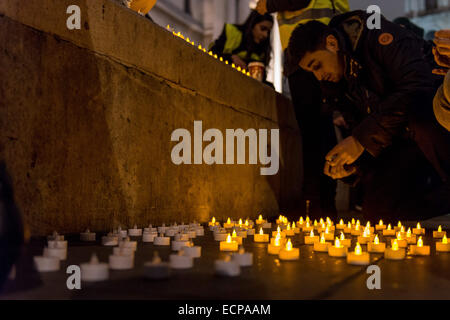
[{"x": 383, "y": 84}]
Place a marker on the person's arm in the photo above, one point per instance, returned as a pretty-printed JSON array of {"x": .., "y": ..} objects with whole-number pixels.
[
  {"x": 410, "y": 76},
  {"x": 286, "y": 5}
]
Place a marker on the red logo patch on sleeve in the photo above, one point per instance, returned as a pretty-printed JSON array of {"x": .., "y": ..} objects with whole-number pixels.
[{"x": 385, "y": 39}]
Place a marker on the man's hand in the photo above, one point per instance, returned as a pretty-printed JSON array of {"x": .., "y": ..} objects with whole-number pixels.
[
  {"x": 261, "y": 7},
  {"x": 238, "y": 62},
  {"x": 346, "y": 152}
]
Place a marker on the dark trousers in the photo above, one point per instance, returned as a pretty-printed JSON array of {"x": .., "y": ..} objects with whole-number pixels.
[
  {"x": 410, "y": 179},
  {"x": 318, "y": 138}
]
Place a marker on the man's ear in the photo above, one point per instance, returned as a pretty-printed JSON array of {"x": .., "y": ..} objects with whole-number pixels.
[{"x": 332, "y": 43}]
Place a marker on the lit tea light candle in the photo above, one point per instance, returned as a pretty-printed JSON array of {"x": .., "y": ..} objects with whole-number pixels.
[
  {"x": 227, "y": 267},
  {"x": 289, "y": 253},
  {"x": 418, "y": 230},
  {"x": 365, "y": 237},
  {"x": 311, "y": 238},
  {"x": 368, "y": 226},
  {"x": 180, "y": 261},
  {"x": 282, "y": 234},
  {"x": 236, "y": 238},
  {"x": 420, "y": 249},
  {"x": 228, "y": 245},
  {"x": 321, "y": 245},
  {"x": 353, "y": 222},
  {"x": 87, "y": 235},
  {"x": 380, "y": 226},
  {"x": 135, "y": 232},
  {"x": 94, "y": 270},
  {"x": 307, "y": 227},
  {"x": 357, "y": 231},
  {"x": 46, "y": 264},
  {"x": 213, "y": 222},
  {"x": 316, "y": 225},
  {"x": 376, "y": 246},
  {"x": 228, "y": 224},
  {"x": 329, "y": 235},
  {"x": 289, "y": 231},
  {"x": 443, "y": 246},
  {"x": 338, "y": 250},
  {"x": 388, "y": 232},
  {"x": 340, "y": 225},
  {"x": 260, "y": 220},
  {"x": 395, "y": 252},
  {"x": 261, "y": 236},
  {"x": 161, "y": 229},
  {"x": 295, "y": 228},
  {"x": 279, "y": 220},
  {"x": 410, "y": 238},
  {"x": 348, "y": 228},
  {"x": 156, "y": 269},
  {"x": 358, "y": 257},
  {"x": 402, "y": 243},
  {"x": 161, "y": 240},
  {"x": 242, "y": 258},
  {"x": 275, "y": 246},
  {"x": 242, "y": 233},
  {"x": 398, "y": 227},
  {"x": 439, "y": 233},
  {"x": 300, "y": 222},
  {"x": 345, "y": 242}
]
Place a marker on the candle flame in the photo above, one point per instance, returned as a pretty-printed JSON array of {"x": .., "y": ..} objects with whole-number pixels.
[
  {"x": 293, "y": 225},
  {"x": 228, "y": 221},
  {"x": 233, "y": 65},
  {"x": 328, "y": 220},
  {"x": 261, "y": 231},
  {"x": 226, "y": 61},
  {"x": 246, "y": 222},
  {"x": 240, "y": 222},
  {"x": 277, "y": 241},
  {"x": 342, "y": 236},
  {"x": 260, "y": 218},
  {"x": 307, "y": 224},
  {"x": 322, "y": 238},
  {"x": 399, "y": 224},
  {"x": 381, "y": 222},
  {"x": 439, "y": 228},
  {"x": 418, "y": 225},
  {"x": 215, "y": 56},
  {"x": 289, "y": 245},
  {"x": 323, "y": 225},
  {"x": 368, "y": 224},
  {"x": 444, "y": 239},
  {"x": 311, "y": 234},
  {"x": 288, "y": 226},
  {"x": 168, "y": 27},
  {"x": 301, "y": 220},
  {"x": 366, "y": 232},
  {"x": 408, "y": 233},
  {"x": 321, "y": 221},
  {"x": 395, "y": 245},
  {"x": 358, "y": 250},
  {"x": 307, "y": 218},
  {"x": 389, "y": 227},
  {"x": 234, "y": 233},
  {"x": 341, "y": 222},
  {"x": 220, "y": 59},
  {"x": 210, "y": 53},
  {"x": 399, "y": 236},
  {"x": 357, "y": 227},
  {"x": 315, "y": 223},
  {"x": 326, "y": 230},
  {"x": 353, "y": 220},
  {"x": 278, "y": 229},
  {"x": 229, "y": 238},
  {"x": 402, "y": 229},
  {"x": 376, "y": 240},
  {"x": 337, "y": 243},
  {"x": 420, "y": 242},
  {"x": 213, "y": 220},
  {"x": 200, "y": 47},
  {"x": 349, "y": 225}
]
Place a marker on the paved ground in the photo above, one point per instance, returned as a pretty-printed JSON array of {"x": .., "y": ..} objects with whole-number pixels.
[{"x": 314, "y": 276}]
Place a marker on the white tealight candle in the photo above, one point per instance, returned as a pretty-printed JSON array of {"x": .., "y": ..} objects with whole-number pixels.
[
  {"x": 227, "y": 267},
  {"x": 123, "y": 251},
  {"x": 177, "y": 245},
  {"x": 228, "y": 245},
  {"x": 135, "y": 232},
  {"x": 289, "y": 231},
  {"x": 220, "y": 236},
  {"x": 57, "y": 244},
  {"x": 128, "y": 244},
  {"x": 122, "y": 233},
  {"x": 380, "y": 226},
  {"x": 311, "y": 238},
  {"x": 338, "y": 250},
  {"x": 156, "y": 269},
  {"x": 443, "y": 246},
  {"x": 200, "y": 231},
  {"x": 358, "y": 257},
  {"x": 243, "y": 259},
  {"x": 365, "y": 237},
  {"x": 388, "y": 232},
  {"x": 170, "y": 232},
  {"x": 376, "y": 246},
  {"x": 87, "y": 236},
  {"x": 121, "y": 262},
  {"x": 439, "y": 233},
  {"x": 418, "y": 230},
  {"x": 161, "y": 241},
  {"x": 148, "y": 237},
  {"x": 420, "y": 249},
  {"x": 321, "y": 245},
  {"x": 274, "y": 246},
  {"x": 46, "y": 264},
  {"x": 261, "y": 236},
  {"x": 110, "y": 240},
  {"x": 402, "y": 243},
  {"x": 345, "y": 242},
  {"x": 182, "y": 237},
  {"x": 94, "y": 270},
  {"x": 289, "y": 253},
  {"x": 181, "y": 261},
  {"x": 395, "y": 253},
  {"x": 260, "y": 220},
  {"x": 192, "y": 251},
  {"x": 55, "y": 253}
]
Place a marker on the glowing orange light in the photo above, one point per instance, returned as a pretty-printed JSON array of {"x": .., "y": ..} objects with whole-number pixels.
[
  {"x": 326, "y": 230},
  {"x": 322, "y": 238},
  {"x": 349, "y": 225},
  {"x": 402, "y": 229},
  {"x": 307, "y": 219},
  {"x": 246, "y": 222},
  {"x": 300, "y": 220},
  {"x": 277, "y": 241},
  {"x": 307, "y": 224},
  {"x": 289, "y": 245},
  {"x": 229, "y": 238},
  {"x": 357, "y": 227},
  {"x": 226, "y": 61},
  {"x": 408, "y": 233},
  {"x": 233, "y": 65},
  {"x": 213, "y": 220},
  {"x": 293, "y": 225},
  {"x": 358, "y": 223},
  {"x": 288, "y": 226},
  {"x": 260, "y": 218},
  {"x": 420, "y": 242},
  {"x": 311, "y": 234},
  {"x": 210, "y": 53},
  {"x": 353, "y": 220},
  {"x": 366, "y": 232},
  {"x": 399, "y": 236},
  {"x": 376, "y": 240},
  {"x": 341, "y": 222},
  {"x": 240, "y": 222},
  {"x": 368, "y": 224},
  {"x": 342, "y": 236},
  {"x": 439, "y": 229},
  {"x": 444, "y": 239},
  {"x": 381, "y": 222},
  {"x": 278, "y": 229},
  {"x": 228, "y": 221},
  {"x": 358, "y": 250},
  {"x": 234, "y": 233},
  {"x": 168, "y": 27},
  {"x": 418, "y": 225},
  {"x": 261, "y": 231},
  {"x": 220, "y": 59},
  {"x": 395, "y": 245},
  {"x": 315, "y": 223},
  {"x": 389, "y": 227},
  {"x": 215, "y": 56},
  {"x": 399, "y": 224},
  {"x": 321, "y": 221},
  {"x": 337, "y": 243}
]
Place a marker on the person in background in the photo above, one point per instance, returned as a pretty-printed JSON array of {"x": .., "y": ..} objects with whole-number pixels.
[
  {"x": 249, "y": 42},
  {"x": 441, "y": 102},
  {"x": 315, "y": 123}
]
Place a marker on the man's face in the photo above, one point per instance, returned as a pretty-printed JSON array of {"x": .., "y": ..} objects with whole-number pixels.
[{"x": 326, "y": 64}]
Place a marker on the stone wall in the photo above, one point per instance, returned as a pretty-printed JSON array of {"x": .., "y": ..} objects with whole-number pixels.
[{"x": 86, "y": 118}]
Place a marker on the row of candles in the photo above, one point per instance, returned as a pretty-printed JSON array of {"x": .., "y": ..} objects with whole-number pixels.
[
  {"x": 282, "y": 246},
  {"x": 215, "y": 56}
]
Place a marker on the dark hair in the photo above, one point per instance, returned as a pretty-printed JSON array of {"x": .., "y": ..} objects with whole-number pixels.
[
  {"x": 308, "y": 37},
  {"x": 247, "y": 28}
]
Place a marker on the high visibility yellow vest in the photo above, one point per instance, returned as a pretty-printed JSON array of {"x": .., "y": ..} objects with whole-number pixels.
[
  {"x": 319, "y": 10},
  {"x": 234, "y": 39}
]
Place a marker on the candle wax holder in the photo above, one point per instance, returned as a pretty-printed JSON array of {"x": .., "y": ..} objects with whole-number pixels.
[
  {"x": 179, "y": 261},
  {"x": 347, "y": 230},
  {"x": 346, "y": 242},
  {"x": 389, "y": 233},
  {"x": 94, "y": 270},
  {"x": 311, "y": 240},
  {"x": 380, "y": 227},
  {"x": 110, "y": 240},
  {"x": 267, "y": 225},
  {"x": 399, "y": 254},
  {"x": 401, "y": 243},
  {"x": 273, "y": 249},
  {"x": 340, "y": 226},
  {"x": 376, "y": 248},
  {"x": 441, "y": 234},
  {"x": 307, "y": 229},
  {"x": 135, "y": 232},
  {"x": 420, "y": 251},
  {"x": 442, "y": 247},
  {"x": 282, "y": 234},
  {"x": 321, "y": 247},
  {"x": 177, "y": 245},
  {"x": 46, "y": 264},
  {"x": 170, "y": 232},
  {"x": 418, "y": 231},
  {"x": 227, "y": 268},
  {"x": 328, "y": 236},
  {"x": 228, "y": 246},
  {"x": 228, "y": 225},
  {"x": 282, "y": 241},
  {"x": 242, "y": 234},
  {"x": 161, "y": 241},
  {"x": 289, "y": 233},
  {"x": 237, "y": 239},
  {"x": 87, "y": 236},
  {"x": 250, "y": 232},
  {"x": 61, "y": 254},
  {"x": 355, "y": 232},
  {"x": 337, "y": 252},
  {"x": 289, "y": 255},
  {"x": 358, "y": 259},
  {"x": 148, "y": 237},
  {"x": 121, "y": 262},
  {"x": 244, "y": 259},
  {"x": 220, "y": 236},
  {"x": 194, "y": 251},
  {"x": 261, "y": 237},
  {"x": 364, "y": 240},
  {"x": 412, "y": 239}
]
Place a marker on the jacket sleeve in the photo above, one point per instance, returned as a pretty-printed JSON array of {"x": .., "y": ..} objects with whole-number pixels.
[
  {"x": 286, "y": 5},
  {"x": 218, "y": 46},
  {"x": 409, "y": 77}
]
